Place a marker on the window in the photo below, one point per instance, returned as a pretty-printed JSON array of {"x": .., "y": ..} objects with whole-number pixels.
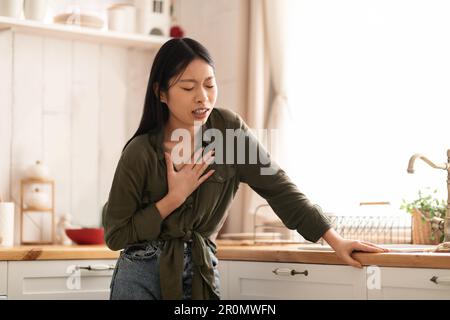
[{"x": 369, "y": 86}]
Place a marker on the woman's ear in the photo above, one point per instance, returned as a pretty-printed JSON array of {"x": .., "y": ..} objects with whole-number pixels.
[{"x": 162, "y": 95}]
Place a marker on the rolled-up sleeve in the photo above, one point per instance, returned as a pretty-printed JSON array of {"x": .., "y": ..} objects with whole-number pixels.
[
  {"x": 268, "y": 180},
  {"x": 125, "y": 219}
]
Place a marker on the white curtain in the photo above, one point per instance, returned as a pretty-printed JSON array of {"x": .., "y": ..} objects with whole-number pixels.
[{"x": 267, "y": 106}]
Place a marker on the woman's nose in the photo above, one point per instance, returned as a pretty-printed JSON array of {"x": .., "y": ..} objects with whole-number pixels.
[{"x": 202, "y": 96}]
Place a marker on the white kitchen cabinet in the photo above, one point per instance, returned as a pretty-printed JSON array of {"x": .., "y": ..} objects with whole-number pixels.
[
  {"x": 258, "y": 280},
  {"x": 60, "y": 279},
  {"x": 409, "y": 283},
  {"x": 223, "y": 272},
  {"x": 54, "y": 279},
  {"x": 3, "y": 278}
]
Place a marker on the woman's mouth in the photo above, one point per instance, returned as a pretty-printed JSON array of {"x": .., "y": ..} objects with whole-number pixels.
[{"x": 200, "y": 113}]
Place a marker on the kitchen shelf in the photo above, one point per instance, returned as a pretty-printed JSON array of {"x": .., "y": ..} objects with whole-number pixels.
[
  {"x": 32, "y": 209},
  {"x": 34, "y": 180},
  {"x": 27, "y": 243},
  {"x": 71, "y": 32}
]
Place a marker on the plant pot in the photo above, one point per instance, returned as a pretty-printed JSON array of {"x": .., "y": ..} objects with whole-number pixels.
[{"x": 421, "y": 230}]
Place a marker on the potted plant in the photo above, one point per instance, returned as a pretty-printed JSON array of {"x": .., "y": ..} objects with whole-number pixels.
[{"x": 423, "y": 209}]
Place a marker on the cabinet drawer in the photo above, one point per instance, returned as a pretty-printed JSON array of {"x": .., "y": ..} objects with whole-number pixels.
[
  {"x": 3, "y": 277},
  {"x": 60, "y": 279},
  {"x": 257, "y": 280},
  {"x": 409, "y": 283}
]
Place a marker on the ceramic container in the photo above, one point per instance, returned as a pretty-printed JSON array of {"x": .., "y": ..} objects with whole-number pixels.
[
  {"x": 35, "y": 9},
  {"x": 11, "y": 8},
  {"x": 38, "y": 171}
]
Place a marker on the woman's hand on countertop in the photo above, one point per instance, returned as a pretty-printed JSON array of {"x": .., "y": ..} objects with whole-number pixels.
[{"x": 345, "y": 247}]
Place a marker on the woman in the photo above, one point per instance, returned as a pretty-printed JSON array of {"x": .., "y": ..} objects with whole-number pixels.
[{"x": 167, "y": 203}]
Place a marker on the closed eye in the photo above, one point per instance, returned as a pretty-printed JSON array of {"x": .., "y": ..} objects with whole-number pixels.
[{"x": 190, "y": 89}]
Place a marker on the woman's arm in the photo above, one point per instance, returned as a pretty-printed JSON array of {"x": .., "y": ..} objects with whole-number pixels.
[
  {"x": 292, "y": 206},
  {"x": 125, "y": 219},
  {"x": 268, "y": 180},
  {"x": 167, "y": 205}
]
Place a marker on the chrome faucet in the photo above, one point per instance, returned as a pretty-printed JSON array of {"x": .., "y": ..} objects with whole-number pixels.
[{"x": 436, "y": 222}]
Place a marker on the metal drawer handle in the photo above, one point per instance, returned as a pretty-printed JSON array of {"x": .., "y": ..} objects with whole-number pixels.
[
  {"x": 441, "y": 280},
  {"x": 288, "y": 272},
  {"x": 96, "y": 267}
]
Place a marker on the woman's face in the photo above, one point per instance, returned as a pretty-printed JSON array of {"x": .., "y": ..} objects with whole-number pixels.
[{"x": 191, "y": 96}]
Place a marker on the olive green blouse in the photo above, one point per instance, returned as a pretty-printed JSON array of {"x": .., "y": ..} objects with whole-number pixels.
[{"x": 130, "y": 215}]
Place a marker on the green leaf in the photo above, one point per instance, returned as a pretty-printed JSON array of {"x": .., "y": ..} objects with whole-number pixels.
[{"x": 426, "y": 203}]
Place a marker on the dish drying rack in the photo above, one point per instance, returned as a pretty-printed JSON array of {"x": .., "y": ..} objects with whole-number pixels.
[{"x": 380, "y": 229}]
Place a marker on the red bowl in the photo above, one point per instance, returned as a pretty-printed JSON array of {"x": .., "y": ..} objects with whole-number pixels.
[{"x": 86, "y": 235}]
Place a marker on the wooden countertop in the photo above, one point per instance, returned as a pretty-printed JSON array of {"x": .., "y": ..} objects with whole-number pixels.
[
  {"x": 242, "y": 251},
  {"x": 291, "y": 253},
  {"x": 57, "y": 252}
]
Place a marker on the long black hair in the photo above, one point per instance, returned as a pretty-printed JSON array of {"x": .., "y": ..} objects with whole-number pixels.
[{"x": 171, "y": 60}]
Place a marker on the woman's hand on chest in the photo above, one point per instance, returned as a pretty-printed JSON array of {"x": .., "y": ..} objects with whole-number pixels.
[{"x": 187, "y": 177}]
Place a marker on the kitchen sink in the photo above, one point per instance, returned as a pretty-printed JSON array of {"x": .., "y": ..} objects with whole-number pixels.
[{"x": 391, "y": 247}]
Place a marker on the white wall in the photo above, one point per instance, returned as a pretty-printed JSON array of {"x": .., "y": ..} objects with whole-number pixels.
[{"x": 72, "y": 105}]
